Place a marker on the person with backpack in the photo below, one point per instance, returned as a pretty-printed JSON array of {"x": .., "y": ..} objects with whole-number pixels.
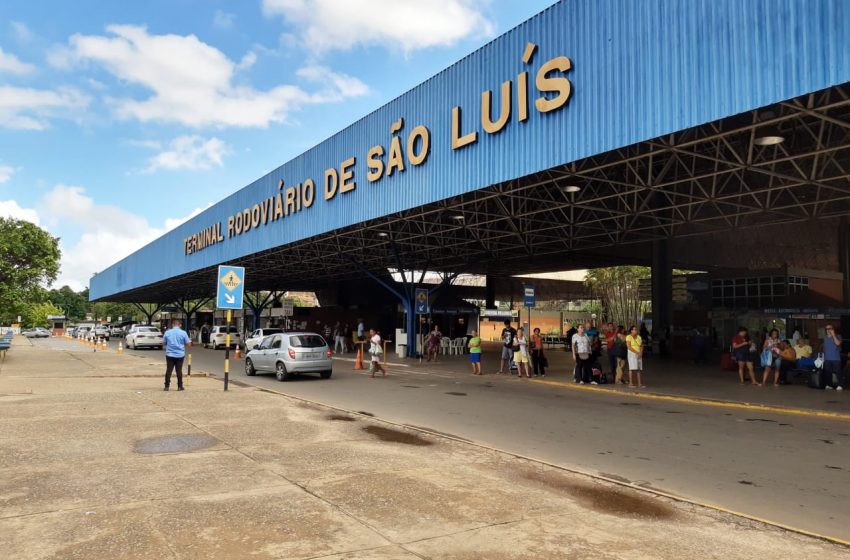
[{"x": 508, "y": 335}]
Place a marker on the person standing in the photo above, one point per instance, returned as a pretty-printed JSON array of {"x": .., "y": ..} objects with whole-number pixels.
[
  {"x": 474, "y": 346},
  {"x": 741, "y": 352},
  {"x": 770, "y": 357},
  {"x": 621, "y": 353},
  {"x": 175, "y": 341},
  {"x": 634, "y": 344},
  {"x": 508, "y": 335},
  {"x": 610, "y": 337},
  {"x": 832, "y": 358},
  {"x": 361, "y": 330},
  {"x": 327, "y": 331},
  {"x": 377, "y": 352},
  {"x": 205, "y": 334},
  {"x": 537, "y": 355},
  {"x": 434, "y": 341},
  {"x": 521, "y": 353},
  {"x": 581, "y": 355}
]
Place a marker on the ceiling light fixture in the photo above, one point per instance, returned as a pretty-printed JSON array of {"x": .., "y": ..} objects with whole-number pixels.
[
  {"x": 571, "y": 189},
  {"x": 768, "y": 135},
  {"x": 458, "y": 217},
  {"x": 383, "y": 234}
]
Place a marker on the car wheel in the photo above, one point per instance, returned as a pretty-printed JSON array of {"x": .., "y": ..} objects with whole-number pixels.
[
  {"x": 281, "y": 373},
  {"x": 249, "y": 367},
  {"x": 326, "y": 374}
]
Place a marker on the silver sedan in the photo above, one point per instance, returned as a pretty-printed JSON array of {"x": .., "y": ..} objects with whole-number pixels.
[{"x": 290, "y": 353}]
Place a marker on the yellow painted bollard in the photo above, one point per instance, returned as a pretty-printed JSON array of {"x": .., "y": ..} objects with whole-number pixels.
[{"x": 189, "y": 371}]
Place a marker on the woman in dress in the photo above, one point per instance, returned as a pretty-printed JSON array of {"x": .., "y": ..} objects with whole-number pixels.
[
  {"x": 771, "y": 360},
  {"x": 521, "y": 353},
  {"x": 741, "y": 352},
  {"x": 377, "y": 353},
  {"x": 537, "y": 355}
]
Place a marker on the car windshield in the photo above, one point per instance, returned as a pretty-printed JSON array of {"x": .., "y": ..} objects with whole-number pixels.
[
  {"x": 233, "y": 330},
  {"x": 267, "y": 332},
  {"x": 306, "y": 341},
  {"x": 149, "y": 329}
]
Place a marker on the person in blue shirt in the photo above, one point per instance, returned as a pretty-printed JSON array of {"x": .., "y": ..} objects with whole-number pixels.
[
  {"x": 175, "y": 341},
  {"x": 832, "y": 358}
]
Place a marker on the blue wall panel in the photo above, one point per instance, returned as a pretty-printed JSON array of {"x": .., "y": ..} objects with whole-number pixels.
[{"x": 640, "y": 69}]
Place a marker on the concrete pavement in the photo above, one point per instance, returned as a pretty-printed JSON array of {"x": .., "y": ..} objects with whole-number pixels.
[{"x": 97, "y": 461}]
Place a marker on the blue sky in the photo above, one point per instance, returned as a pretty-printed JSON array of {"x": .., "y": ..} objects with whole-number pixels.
[{"x": 119, "y": 120}]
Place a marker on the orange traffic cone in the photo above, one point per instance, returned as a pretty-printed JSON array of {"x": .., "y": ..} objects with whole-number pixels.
[
  {"x": 238, "y": 354},
  {"x": 358, "y": 362}
]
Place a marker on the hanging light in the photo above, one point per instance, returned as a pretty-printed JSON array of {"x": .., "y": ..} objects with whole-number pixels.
[
  {"x": 458, "y": 217},
  {"x": 383, "y": 234},
  {"x": 569, "y": 189},
  {"x": 768, "y": 135}
]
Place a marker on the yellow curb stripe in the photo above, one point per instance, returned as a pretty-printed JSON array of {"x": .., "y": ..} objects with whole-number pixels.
[{"x": 701, "y": 402}]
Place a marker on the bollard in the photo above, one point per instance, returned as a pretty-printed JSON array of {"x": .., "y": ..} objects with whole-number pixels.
[{"x": 189, "y": 371}]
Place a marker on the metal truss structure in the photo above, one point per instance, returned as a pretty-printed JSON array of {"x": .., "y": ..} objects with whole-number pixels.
[{"x": 717, "y": 178}]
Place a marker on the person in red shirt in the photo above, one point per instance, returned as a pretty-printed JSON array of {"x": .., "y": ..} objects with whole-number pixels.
[
  {"x": 743, "y": 354},
  {"x": 610, "y": 336}
]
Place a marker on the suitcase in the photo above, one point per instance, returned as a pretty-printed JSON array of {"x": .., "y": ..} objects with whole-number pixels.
[
  {"x": 817, "y": 379},
  {"x": 727, "y": 363}
]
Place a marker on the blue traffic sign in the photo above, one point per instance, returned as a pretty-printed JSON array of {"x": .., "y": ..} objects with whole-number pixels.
[
  {"x": 230, "y": 287},
  {"x": 528, "y": 296},
  {"x": 422, "y": 301}
]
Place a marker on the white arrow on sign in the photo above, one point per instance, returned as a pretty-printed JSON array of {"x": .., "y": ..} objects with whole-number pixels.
[{"x": 229, "y": 299}]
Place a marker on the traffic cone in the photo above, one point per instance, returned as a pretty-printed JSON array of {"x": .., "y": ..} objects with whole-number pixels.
[
  {"x": 120, "y": 348},
  {"x": 238, "y": 354},
  {"x": 103, "y": 344},
  {"x": 358, "y": 362}
]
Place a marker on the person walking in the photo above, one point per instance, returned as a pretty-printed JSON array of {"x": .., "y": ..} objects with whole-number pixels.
[
  {"x": 537, "y": 355},
  {"x": 175, "y": 341},
  {"x": 377, "y": 353},
  {"x": 832, "y": 358},
  {"x": 634, "y": 344},
  {"x": 508, "y": 335},
  {"x": 339, "y": 338},
  {"x": 435, "y": 339},
  {"x": 474, "y": 346},
  {"x": 581, "y": 355},
  {"x": 521, "y": 353},
  {"x": 770, "y": 358},
  {"x": 621, "y": 353},
  {"x": 741, "y": 352}
]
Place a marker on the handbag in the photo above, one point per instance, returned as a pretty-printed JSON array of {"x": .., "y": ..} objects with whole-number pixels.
[{"x": 766, "y": 358}]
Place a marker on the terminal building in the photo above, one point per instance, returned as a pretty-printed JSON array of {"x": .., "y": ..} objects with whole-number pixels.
[{"x": 708, "y": 136}]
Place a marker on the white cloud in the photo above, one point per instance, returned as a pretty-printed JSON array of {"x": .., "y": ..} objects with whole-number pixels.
[
  {"x": 11, "y": 64},
  {"x": 191, "y": 82},
  {"x": 108, "y": 233},
  {"x": 30, "y": 109},
  {"x": 190, "y": 152},
  {"x": 407, "y": 25},
  {"x": 20, "y": 31},
  {"x": 247, "y": 61},
  {"x": 223, "y": 20},
  {"x": 11, "y": 209},
  {"x": 6, "y": 172}
]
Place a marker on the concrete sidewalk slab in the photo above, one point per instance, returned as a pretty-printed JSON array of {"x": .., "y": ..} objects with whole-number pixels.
[{"x": 251, "y": 474}]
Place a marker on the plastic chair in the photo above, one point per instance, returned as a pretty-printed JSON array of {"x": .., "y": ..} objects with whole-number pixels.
[{"x": 445, "y": 346}]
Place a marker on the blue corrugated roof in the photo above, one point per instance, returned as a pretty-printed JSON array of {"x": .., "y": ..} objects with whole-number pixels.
[{"x": 639, "y": 70}]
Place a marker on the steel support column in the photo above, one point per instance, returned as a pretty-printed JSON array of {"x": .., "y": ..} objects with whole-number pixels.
[
  {"x": 844, "y": 258},
  {"x": 490, "y": 297},
  {"x": 662, "y": 295}
]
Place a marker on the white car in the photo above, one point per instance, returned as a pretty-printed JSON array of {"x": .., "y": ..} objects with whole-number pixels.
[
  {"x": 218, "y": 337},
  {"x": 144, "y": 336},
  {"x": 255, "y": 338},
  {"x": 37, "y": 332}
]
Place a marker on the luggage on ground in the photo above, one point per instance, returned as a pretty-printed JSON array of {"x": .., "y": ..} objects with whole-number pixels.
[
  {"x": 727, "y": 363},
  {"x": 817, "y": 379}
]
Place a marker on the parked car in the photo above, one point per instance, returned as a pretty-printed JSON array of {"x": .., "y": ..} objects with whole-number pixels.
[
  {"x": 144, "y": 336},
  {"x": 82, "y": 331},
  {"x": 218, "y": 337},
  {"x": 38, "y": 332},
  {"x": 289, "y": 353},
  {"x": 255, "y": 338},
  {"x": 102, "y": 331},
  {"x": 116, "y": 330},
  {"x": 71, "y": 331}
]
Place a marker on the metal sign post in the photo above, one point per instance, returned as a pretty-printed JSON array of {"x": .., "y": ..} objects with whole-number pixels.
[
  {"x": 422, "y": 308},
  {"x": 229, "y": 293},
  {"x": 528, "y": 299}
]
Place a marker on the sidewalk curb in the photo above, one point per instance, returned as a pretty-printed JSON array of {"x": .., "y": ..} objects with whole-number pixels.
[
  {"x": 701, "y": 401},
  {"x": 573, "y": 470}
]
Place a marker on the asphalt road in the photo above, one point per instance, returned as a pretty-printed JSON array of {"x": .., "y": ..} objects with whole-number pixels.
[{"x": 793, "y": 470}]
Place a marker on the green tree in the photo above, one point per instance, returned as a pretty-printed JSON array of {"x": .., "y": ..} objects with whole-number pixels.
[
  {"x": 74, "y": 304},
  {"x": 29, "y": 261},
  {"x": 619, "y": 288},
  {"x": 35, "y": 314}
]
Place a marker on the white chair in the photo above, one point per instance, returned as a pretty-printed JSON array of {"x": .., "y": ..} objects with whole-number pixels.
[
  {"x": 460, "y": 345},
  {"x": 445, "y": 346}
]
